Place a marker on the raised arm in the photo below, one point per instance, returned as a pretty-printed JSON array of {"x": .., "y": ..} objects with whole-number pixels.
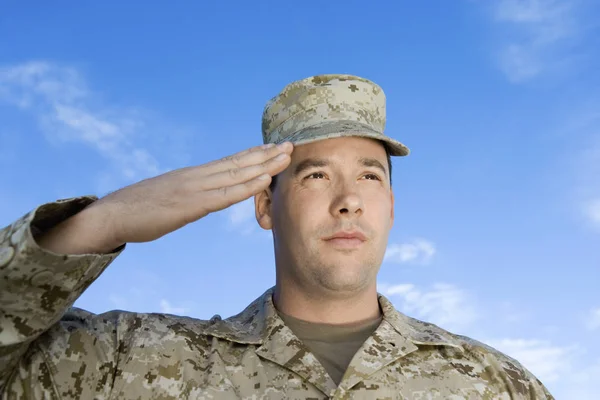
[{"x": 50, "y": 256}]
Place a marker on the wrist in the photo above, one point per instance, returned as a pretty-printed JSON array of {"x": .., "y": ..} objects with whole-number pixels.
[{"x": 87, "y": 232}]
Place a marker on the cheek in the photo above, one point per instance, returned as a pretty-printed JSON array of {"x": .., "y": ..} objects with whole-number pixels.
[
  {"x": 306, "y": 211},
  {"x": 377, "y": 201},
  {"x": 378, "y": 208}
]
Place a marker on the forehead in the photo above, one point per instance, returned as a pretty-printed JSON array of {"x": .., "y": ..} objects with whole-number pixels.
[{"x": 342, "y": 149}]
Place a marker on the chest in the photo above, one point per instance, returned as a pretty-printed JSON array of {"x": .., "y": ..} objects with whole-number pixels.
[{"x": 238, "y": 372}]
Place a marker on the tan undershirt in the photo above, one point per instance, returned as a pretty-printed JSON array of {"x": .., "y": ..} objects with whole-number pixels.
[{"x": 333, "y": 345}]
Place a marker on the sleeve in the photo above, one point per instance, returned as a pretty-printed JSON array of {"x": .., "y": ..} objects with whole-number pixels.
[
  {"x": 540, "y": 391},
  {"x": 517, "y": 375},
  {"x": 509, "y": 376},
  {"x": 506, "y": 377},
  {"x": 37, "y": 288}
]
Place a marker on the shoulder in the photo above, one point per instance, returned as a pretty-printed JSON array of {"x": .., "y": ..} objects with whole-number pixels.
[
  {"x": 159, "y": 324},
  {"x": 478, "y": 360},
  {"x": 502, "y": 369},
  {"x": 499, "y": 361},
  {"x": 467, "y": 348},
  {"x": 118, "y": 329}
]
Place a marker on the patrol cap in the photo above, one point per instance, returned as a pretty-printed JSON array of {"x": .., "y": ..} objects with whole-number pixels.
[{"x": 328, "y": 106}]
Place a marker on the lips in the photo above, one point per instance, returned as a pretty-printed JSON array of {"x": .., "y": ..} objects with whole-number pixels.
[
  {"x": 346, "y": 239},
  {"x": 348, "y": 235}
]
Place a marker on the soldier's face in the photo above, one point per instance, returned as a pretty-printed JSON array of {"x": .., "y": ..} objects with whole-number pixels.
[{"x": 331, "y": 214}]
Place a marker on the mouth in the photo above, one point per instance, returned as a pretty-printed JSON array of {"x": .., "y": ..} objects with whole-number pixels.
[{"x": 346, "y": 240}]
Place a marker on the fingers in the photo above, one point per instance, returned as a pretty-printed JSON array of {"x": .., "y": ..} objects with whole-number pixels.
[
  {"x": 233, "y": 179},
  {"x": 221, "y": 198},
  {"x": 253, "y": 156},
  {"x": 236, "y": 176}
]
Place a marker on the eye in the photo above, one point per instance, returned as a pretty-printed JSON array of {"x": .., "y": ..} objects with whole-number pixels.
[
  {"x": 321, "y": 175},
  {"x": 316, "y": 175},
  {"x": 372, "y": 177}
]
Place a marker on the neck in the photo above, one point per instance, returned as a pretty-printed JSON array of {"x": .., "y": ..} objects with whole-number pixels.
[{"x": 325, "y": 307}]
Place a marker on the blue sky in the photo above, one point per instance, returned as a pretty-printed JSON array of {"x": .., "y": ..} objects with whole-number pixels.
[{"x": 497, "y": 208}]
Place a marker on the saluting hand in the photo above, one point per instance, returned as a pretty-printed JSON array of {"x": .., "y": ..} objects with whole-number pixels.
[{"x": 154, "y": 207}]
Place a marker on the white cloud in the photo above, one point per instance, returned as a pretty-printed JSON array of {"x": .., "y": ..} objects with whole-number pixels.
[
  {"x": 167, "y": 308},
  {"x": 418, "y": 251},
  {"x": 9, "y": 142},
  {"x": 139, "y": 296},
  {"x": 104, "y": 135},
  {"x": 583, "y": 383},
  {"x": 242, "y": 212},
  {"x": 519, "y": 63},
  {"x": 444, "y": 304},
  {"x": 512, "y": 313},
  {"x": 242, "y": 220},
  {"x": 242, "y": 217},
  {"x": 142, "y": 297},
  {"x": 119, "y": 302},
  {"x": 587, "y": 167},
  {"x": 549, "y": 19},
  {"x": 68, "y": 111},
  {"x": 25, "y": 85},
  {"x": 591, "y": 210},
  {"x": 566, "y": 370},
  {"x": 538, "y": 29},
  {"x": 582, "y": 128},
  {"x": 593, "y": 319}
]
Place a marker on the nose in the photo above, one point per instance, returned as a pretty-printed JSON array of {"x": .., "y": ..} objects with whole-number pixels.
[{"x": 347, "y": 204}]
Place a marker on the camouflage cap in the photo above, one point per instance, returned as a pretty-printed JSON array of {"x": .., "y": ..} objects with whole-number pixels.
[{"x": 328, "y": 106}]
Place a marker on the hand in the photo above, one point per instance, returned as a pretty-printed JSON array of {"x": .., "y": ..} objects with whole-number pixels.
[{"x": 154, "y": 207}]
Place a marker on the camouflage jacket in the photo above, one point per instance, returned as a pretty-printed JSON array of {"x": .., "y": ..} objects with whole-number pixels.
[{"x": 50, "y": 350}]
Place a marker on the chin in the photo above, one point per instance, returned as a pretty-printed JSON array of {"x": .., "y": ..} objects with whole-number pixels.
[
  {"x": 344, "y": 277},
  {"x": 344, "y": 286}
]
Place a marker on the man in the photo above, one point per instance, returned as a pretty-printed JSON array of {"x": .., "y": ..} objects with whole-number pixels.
[{"x": 322, "y": 332}]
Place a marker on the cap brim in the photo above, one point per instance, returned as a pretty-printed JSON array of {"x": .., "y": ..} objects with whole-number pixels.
[{"x": 336, "y": 129}]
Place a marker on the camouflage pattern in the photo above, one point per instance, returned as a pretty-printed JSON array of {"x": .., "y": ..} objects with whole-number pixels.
[
  {"x": 49, "y": 350},
  {"x": 328, "y": 106}
]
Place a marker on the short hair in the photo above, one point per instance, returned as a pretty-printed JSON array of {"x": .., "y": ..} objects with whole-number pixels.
[{"x": 389, "y": 161}]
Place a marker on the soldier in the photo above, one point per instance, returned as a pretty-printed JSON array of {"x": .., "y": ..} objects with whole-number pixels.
[{"x": 322, "y": 184}]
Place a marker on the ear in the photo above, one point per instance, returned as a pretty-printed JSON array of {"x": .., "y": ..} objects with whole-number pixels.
[
  {"x": 262, "y": 209},
  {"x": 392, "y": 210}
]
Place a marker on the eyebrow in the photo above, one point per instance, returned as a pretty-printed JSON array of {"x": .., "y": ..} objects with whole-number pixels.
[{"x": 320, "y": 163}]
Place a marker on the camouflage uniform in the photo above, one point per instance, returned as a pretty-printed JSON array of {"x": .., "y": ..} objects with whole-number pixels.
[{"x": 50, "y": 350}]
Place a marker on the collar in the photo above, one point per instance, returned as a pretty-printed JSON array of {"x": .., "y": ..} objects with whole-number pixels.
[
  {"x": 261, "y": 325},
  {"x": 255, "y": 323}
]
